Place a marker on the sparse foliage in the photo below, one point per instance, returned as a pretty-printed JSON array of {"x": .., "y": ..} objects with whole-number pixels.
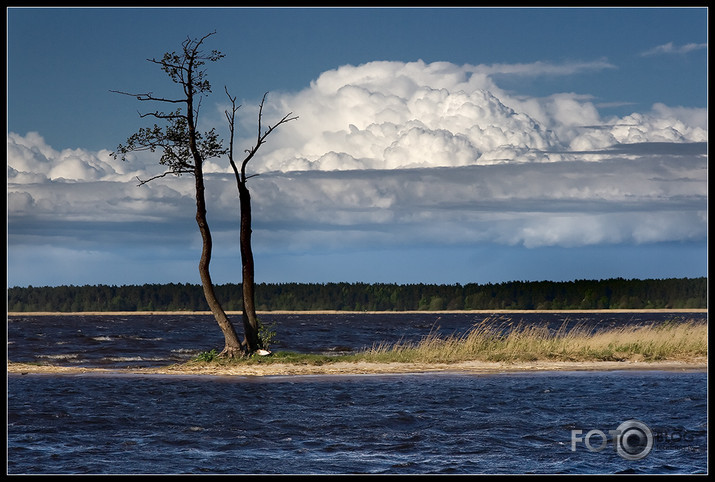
[
  {"x": 266, "y": 334},
  {"x": 183, "y": 147},
  {"x": 184, "y": 150}
]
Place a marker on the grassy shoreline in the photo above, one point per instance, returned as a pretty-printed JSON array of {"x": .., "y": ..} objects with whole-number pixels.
[
  {"x": 493, "y": 342},
  {"x": 484, "y": 349}
]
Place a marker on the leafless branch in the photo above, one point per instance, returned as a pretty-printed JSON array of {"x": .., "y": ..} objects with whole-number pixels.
[
  {"x": 149, "y": 96},
  {"x": 262, "y": 136},
  {"x": 161, "y": 115},
  {"x": 145, "y": 181},
  {"x": 196, "y": 111},
  {"x": 231, "y": 125}
]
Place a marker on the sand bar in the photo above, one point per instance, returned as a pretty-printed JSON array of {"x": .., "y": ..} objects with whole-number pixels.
[{"x": 355, "y": 368}]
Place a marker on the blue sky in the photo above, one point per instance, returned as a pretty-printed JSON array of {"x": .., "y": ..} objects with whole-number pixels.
[{"x": 433, "y": 145}]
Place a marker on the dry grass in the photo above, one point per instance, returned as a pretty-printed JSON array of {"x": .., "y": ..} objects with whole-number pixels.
[
  {"x": 504, "y": 344},
  {"x": 486, "y": 348},
  {"x": 486, "y": 342}
]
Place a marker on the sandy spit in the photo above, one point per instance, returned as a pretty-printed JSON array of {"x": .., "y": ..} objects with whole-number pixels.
[{"x": 355, "y": 368}]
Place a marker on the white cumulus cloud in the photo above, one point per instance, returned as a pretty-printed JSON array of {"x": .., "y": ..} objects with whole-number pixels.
[
  {"x": 30, "y": 159},
  {"x": 394, "y": 115},
  {"x": 396, "y": 153}
]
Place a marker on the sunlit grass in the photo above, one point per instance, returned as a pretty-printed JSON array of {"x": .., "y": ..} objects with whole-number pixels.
[{"x": 488, "y": 341}]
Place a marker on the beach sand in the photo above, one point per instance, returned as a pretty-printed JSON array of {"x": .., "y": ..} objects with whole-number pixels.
[{"x": 355, "y": 368}]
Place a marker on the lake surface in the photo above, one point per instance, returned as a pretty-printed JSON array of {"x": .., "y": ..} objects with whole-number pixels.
[
  {"x": 447, "y": 423},
  {"x": 150, "y": 340}
]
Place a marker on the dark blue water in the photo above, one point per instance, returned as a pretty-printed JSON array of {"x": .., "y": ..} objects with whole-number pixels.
[
  {"x": 137, "y": 340},
  {"x": 449, "y": 423},
  {"x": 445, "y": 424}
]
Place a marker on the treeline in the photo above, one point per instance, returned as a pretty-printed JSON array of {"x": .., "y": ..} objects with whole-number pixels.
[{"x": 615, "y": 293}]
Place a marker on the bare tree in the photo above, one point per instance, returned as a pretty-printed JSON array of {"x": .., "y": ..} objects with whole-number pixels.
[
  {"x": 250, "y": 320},
  {"x": 185, "y": 149}
]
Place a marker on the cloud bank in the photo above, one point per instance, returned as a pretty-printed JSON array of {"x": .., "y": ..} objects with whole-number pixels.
[
  {"x": 394, "y": 115},
  {"x": 393, "y": 154}
]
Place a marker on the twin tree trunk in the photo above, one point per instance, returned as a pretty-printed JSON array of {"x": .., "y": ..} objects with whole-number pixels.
[
  {"x": 250, "y": 343},
  {"x": 250, "y": 321},
  {"x": 182, "y": 143}
]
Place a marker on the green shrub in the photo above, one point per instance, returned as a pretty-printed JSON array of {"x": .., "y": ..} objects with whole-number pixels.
[
  {"x": 265, "y": 334},
  {"x": 206, "y": 356}
]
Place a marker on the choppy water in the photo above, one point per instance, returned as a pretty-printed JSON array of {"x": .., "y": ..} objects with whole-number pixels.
[
  {"x": 449, "y": 423},
  {"x": 109, "y": 341}
]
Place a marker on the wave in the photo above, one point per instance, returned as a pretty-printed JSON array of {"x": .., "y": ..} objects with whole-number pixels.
[
  {"x": 62, "y": 356},
  {"x": 133, "y": 359}
]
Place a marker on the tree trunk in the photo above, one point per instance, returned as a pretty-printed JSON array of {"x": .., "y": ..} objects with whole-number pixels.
[
  {"x": 250, "y": 320},
  {"x": 232, "y": 344}
]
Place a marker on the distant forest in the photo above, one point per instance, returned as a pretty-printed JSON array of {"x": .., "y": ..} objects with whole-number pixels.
[{"x": 615, "y": 293}]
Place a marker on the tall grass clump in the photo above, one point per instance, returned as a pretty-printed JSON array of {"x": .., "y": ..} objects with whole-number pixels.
[{"x": 488, "y": 341}]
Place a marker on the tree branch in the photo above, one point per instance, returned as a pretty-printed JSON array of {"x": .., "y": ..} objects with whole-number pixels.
[
  {"x": 262, "y": 137},
  {"x": 149, "y": 97},
  {"x": 161, "y": 115},
  {"x": 145, "y": 181},
  {"x": 231, "y": 125}
]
